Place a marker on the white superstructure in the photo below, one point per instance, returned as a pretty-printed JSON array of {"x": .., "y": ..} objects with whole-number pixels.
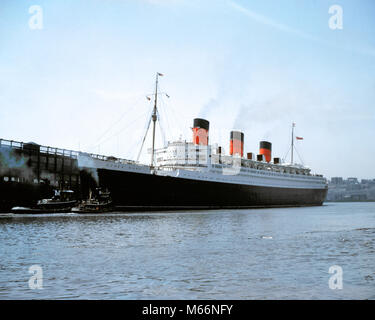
[{"x": 186, "y": 160}]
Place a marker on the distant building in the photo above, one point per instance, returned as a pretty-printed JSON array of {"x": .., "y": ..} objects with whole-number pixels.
[
  {"x": 350, "y": 189},
  {"x": 337, "y": 180},
  {"x": 352, "y": 180}
]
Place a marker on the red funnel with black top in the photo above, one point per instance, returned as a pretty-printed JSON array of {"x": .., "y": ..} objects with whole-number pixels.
[
  {"x": 200, "y": 131},
  {"x": 236, "y": 143},
  {"x": 265, "y": 148}
]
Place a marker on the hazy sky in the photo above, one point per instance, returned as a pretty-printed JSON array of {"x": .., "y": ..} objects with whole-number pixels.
[{"x": 257, "y": 66}]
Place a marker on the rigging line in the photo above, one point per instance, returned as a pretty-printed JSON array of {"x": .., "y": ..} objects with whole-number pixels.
[
  {"x": 146, "y": 124},
  {"x": 173, "y": 109},
  {"x": 179, "y": 118},
  {"x": 132, "y": 146},
  {"x": 144, "y": 138},
  {"x": 286, "y": 154},
  {"x": 165, "y": 115},
  {"x": 128, "y": 153},
  {"x": 131, "y": 150},
  {"x": 177, "y": 114},
  {"x": 161, "y": 129},
  {"x": 185, "y": 127},
  {"x": 119, "y": 119},
  {"x": 178, "y": 121},
  {"x": 289, "y": 146},
  {"x": 128, "y": 125},
  {"x": 299, "y": 155},
  {"x": 136, "y": 105}
]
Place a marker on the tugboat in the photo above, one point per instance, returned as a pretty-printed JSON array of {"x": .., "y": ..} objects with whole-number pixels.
[
  {"x": 101, "y": 203},
  {"x": 63, "y": 201}
]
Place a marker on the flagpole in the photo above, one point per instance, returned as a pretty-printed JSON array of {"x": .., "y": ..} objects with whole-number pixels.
[
  {"x": 293, "y": 125},
  {"x": 154, "y": 118}
]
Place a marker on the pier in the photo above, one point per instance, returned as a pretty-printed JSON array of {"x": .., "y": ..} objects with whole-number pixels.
[{"x": 29, "y": 172}]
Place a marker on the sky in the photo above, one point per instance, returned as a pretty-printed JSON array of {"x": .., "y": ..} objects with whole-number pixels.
[{"x": 80, "y": 81}]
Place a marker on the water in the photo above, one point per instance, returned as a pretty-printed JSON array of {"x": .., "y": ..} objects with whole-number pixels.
[{"x": 223, "y": 254}]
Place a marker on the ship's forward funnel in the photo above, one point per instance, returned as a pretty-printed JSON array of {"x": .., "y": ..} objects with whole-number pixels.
[
  {"x": 236, "y": 143},
  {"x": 265, "y": 148},
  {"x": 200, "y": 131}
]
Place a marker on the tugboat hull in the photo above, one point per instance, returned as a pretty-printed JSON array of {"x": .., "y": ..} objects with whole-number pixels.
[{"x": 25, "y": 210}]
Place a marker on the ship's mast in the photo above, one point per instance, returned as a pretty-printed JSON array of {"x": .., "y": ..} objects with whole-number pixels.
[
  {"x": 293, "y": 125},
  {"x": 154, "y": 118}
]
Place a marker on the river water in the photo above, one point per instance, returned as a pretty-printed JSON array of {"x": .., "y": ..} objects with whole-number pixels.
[{"x": 221, "y": 254}]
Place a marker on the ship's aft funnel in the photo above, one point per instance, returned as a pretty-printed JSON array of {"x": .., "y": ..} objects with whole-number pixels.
[
  {"x": 200, "y": 131},
  {"x": 236, "y": 143},
  {"x": 265, "y": 148}
]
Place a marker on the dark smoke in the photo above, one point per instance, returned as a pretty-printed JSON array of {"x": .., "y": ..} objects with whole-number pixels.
[{"x": 13, "y": 163}]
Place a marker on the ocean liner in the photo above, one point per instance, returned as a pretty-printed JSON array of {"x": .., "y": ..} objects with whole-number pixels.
[{"x": 197, "y": 175}]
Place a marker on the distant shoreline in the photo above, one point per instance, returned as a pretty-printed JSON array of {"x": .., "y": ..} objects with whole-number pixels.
[{"x": 349, "y": 201}]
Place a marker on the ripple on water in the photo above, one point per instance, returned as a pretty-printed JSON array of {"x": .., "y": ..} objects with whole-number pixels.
[{"x": 239, "y": 254}]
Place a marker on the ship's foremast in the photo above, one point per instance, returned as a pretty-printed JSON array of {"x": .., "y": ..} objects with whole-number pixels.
[
  {"x": 154, "y": 119},
  {"x": 292, "y": 147}
]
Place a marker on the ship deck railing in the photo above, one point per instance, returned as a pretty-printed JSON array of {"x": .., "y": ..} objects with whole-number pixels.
[
  {"x": 258, "y": 171},
  {"x": 30, "y": 146}
]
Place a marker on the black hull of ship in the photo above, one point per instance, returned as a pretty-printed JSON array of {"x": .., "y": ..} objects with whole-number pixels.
[{"x": 135, "y": 191}]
